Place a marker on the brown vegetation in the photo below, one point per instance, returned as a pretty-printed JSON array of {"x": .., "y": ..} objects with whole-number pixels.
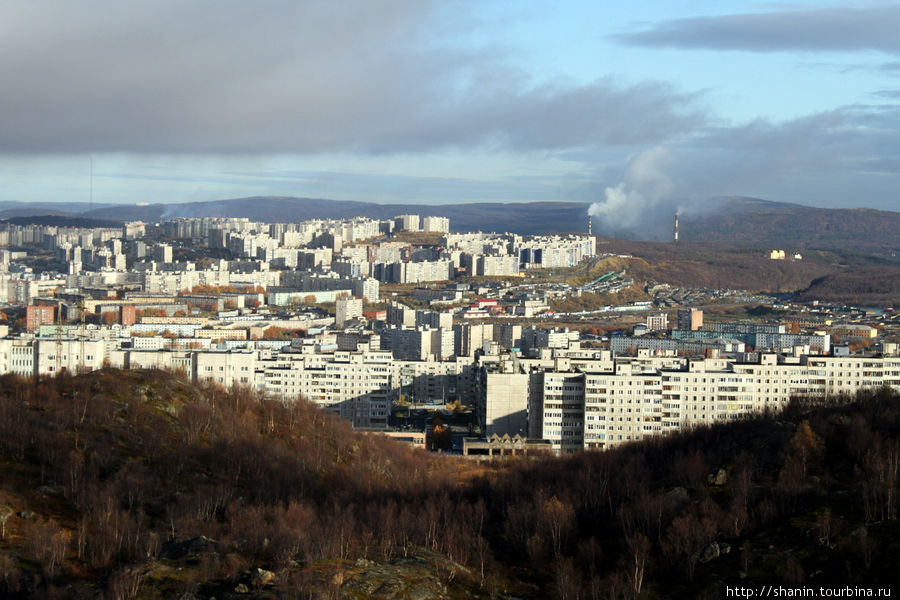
[{"x": 137, "y": 484}]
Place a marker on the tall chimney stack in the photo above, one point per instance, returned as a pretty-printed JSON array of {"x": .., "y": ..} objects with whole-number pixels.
[
  {"x": 676, "y": 228},
  {"x": 590, "y": 230}
]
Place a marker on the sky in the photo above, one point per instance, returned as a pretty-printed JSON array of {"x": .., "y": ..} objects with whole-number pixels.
[{"x": 635, "y": 107}]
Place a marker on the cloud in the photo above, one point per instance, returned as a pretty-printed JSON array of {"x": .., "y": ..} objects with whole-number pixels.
[
  {"x": 286, "y": 76},
  {"x": 827, "y": 29},
  {"x": 846, "y": 157}
]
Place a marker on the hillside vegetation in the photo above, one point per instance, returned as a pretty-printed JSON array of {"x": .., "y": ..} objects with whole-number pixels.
[
  {"x": 135, "y": 484},
  {"x": 827, "y": 275},
  {"x": 751, "y": 222}
]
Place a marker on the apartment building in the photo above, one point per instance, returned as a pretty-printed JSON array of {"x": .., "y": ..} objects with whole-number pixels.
[
  {"x": 347, "y": 309},
  {"x": 554, "y": 251},
  {"x": 600, "y": 403},
  {"x": 438, "y": 224},
  {"x": 49, "y": 356}
]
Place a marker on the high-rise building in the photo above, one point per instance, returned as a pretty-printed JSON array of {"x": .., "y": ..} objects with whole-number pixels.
[
  {"x": 35, "y": 316},
  {"x": 346, "y": 309},
  {"x": 658, "y": 322},
  {"x": 690, "y": 319},
  {"x": 162, "y": 253}
]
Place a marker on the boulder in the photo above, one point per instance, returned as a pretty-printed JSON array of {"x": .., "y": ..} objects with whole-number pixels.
[
  {"x": 192, "y": 547},
  {"x": 677, "y": 497},
  {"x": 260, "y": 577},
  {"x": 718, "y": 477},
  {"x": 55, "y": 491},
  {"x": 711, "y": 552}
]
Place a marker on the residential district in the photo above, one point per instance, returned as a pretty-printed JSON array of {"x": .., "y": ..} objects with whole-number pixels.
[{"x": 399, "y": 325}]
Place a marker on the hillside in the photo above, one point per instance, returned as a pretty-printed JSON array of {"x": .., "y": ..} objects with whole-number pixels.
[
  {"x": 874, "y": 286},
  {"x": 63, "y": 221},
  {"x": 138, "y": 485},
  {"x": 752, "y": 222},
  {"x": 825, "y": 275}
]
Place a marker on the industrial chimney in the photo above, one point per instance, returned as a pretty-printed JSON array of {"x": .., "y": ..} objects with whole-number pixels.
[{"x": 676, "y": 228}]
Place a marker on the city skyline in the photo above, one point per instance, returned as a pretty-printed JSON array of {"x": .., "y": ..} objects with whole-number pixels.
[{"x": 409, "y": 102}]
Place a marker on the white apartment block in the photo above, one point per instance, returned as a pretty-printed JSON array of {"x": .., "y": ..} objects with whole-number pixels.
[
  {"x": 50, "y": 356},
  {"x": 359, "y": 386},
  {"x": 560, "y": 411},
  {"x": 346, "y": 309},
  {"x": 226, "y": 368},
  {"x": 413, "y": 272},
  {"x": 479, "y": 243},
  {"x": 439, "y": 224},
  {"x": 492, "y": 266},
  {"x": 555, "y": 251},
  {"x": 508, "y": 408},
  {"x": 658, "y": 322},
  {"x": 407, "y": 223},
  {"x": 162, "y": 253},
  {"x": 598, "y": 403}
]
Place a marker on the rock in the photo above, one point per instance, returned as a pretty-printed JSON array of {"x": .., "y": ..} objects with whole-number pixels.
[
  {"x": 241, "y": 589},
  {"x": 362, "y": 563},
  {"x": 55, "y": 491},
  {"x": 677, "y": 496},
  {"x": 26, "y": 514},
  {"x": 712, "y": 551},
  {"x": 261, "y": 577},
  {"x": 192, "y": 547},
  {"x": 843, "y": 420},
  {"x": 718, "y": 477}
]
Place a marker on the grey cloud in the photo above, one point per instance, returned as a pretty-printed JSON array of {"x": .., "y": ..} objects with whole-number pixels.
[
  {"x": 846, "y": 157},
  {"x": 287, "y": 76},
  {"x": 829, "y": 29},
  {"x": 851, "y": 142},
  {"x": 889, "y": 94}
]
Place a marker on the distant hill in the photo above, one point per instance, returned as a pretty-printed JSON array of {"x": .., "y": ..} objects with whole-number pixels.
[
  {"x": 27, "y": 209},
  {"x": 752, "y": 222},
  {"x": 521, "y": 218},
  {"x": 62, "y": 221},
  {"x": 735, "y": 221}
]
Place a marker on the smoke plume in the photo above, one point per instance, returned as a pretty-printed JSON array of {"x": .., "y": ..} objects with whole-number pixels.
[{"x": 644, "y": 192}]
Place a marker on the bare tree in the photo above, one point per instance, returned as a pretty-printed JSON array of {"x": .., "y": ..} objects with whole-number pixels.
[
  {"x": 5, "y": 513},
  {"x": 637, "y": 558}
]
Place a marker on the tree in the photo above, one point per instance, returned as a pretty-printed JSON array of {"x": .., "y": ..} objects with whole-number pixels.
[
  {"x": 557, "y": 520},
  {"x": 5, "y": 513},
  {"x": 806, "y": 445},
  {"x": 637, "y": 558},
  {"x": 690, "y": 533}
]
